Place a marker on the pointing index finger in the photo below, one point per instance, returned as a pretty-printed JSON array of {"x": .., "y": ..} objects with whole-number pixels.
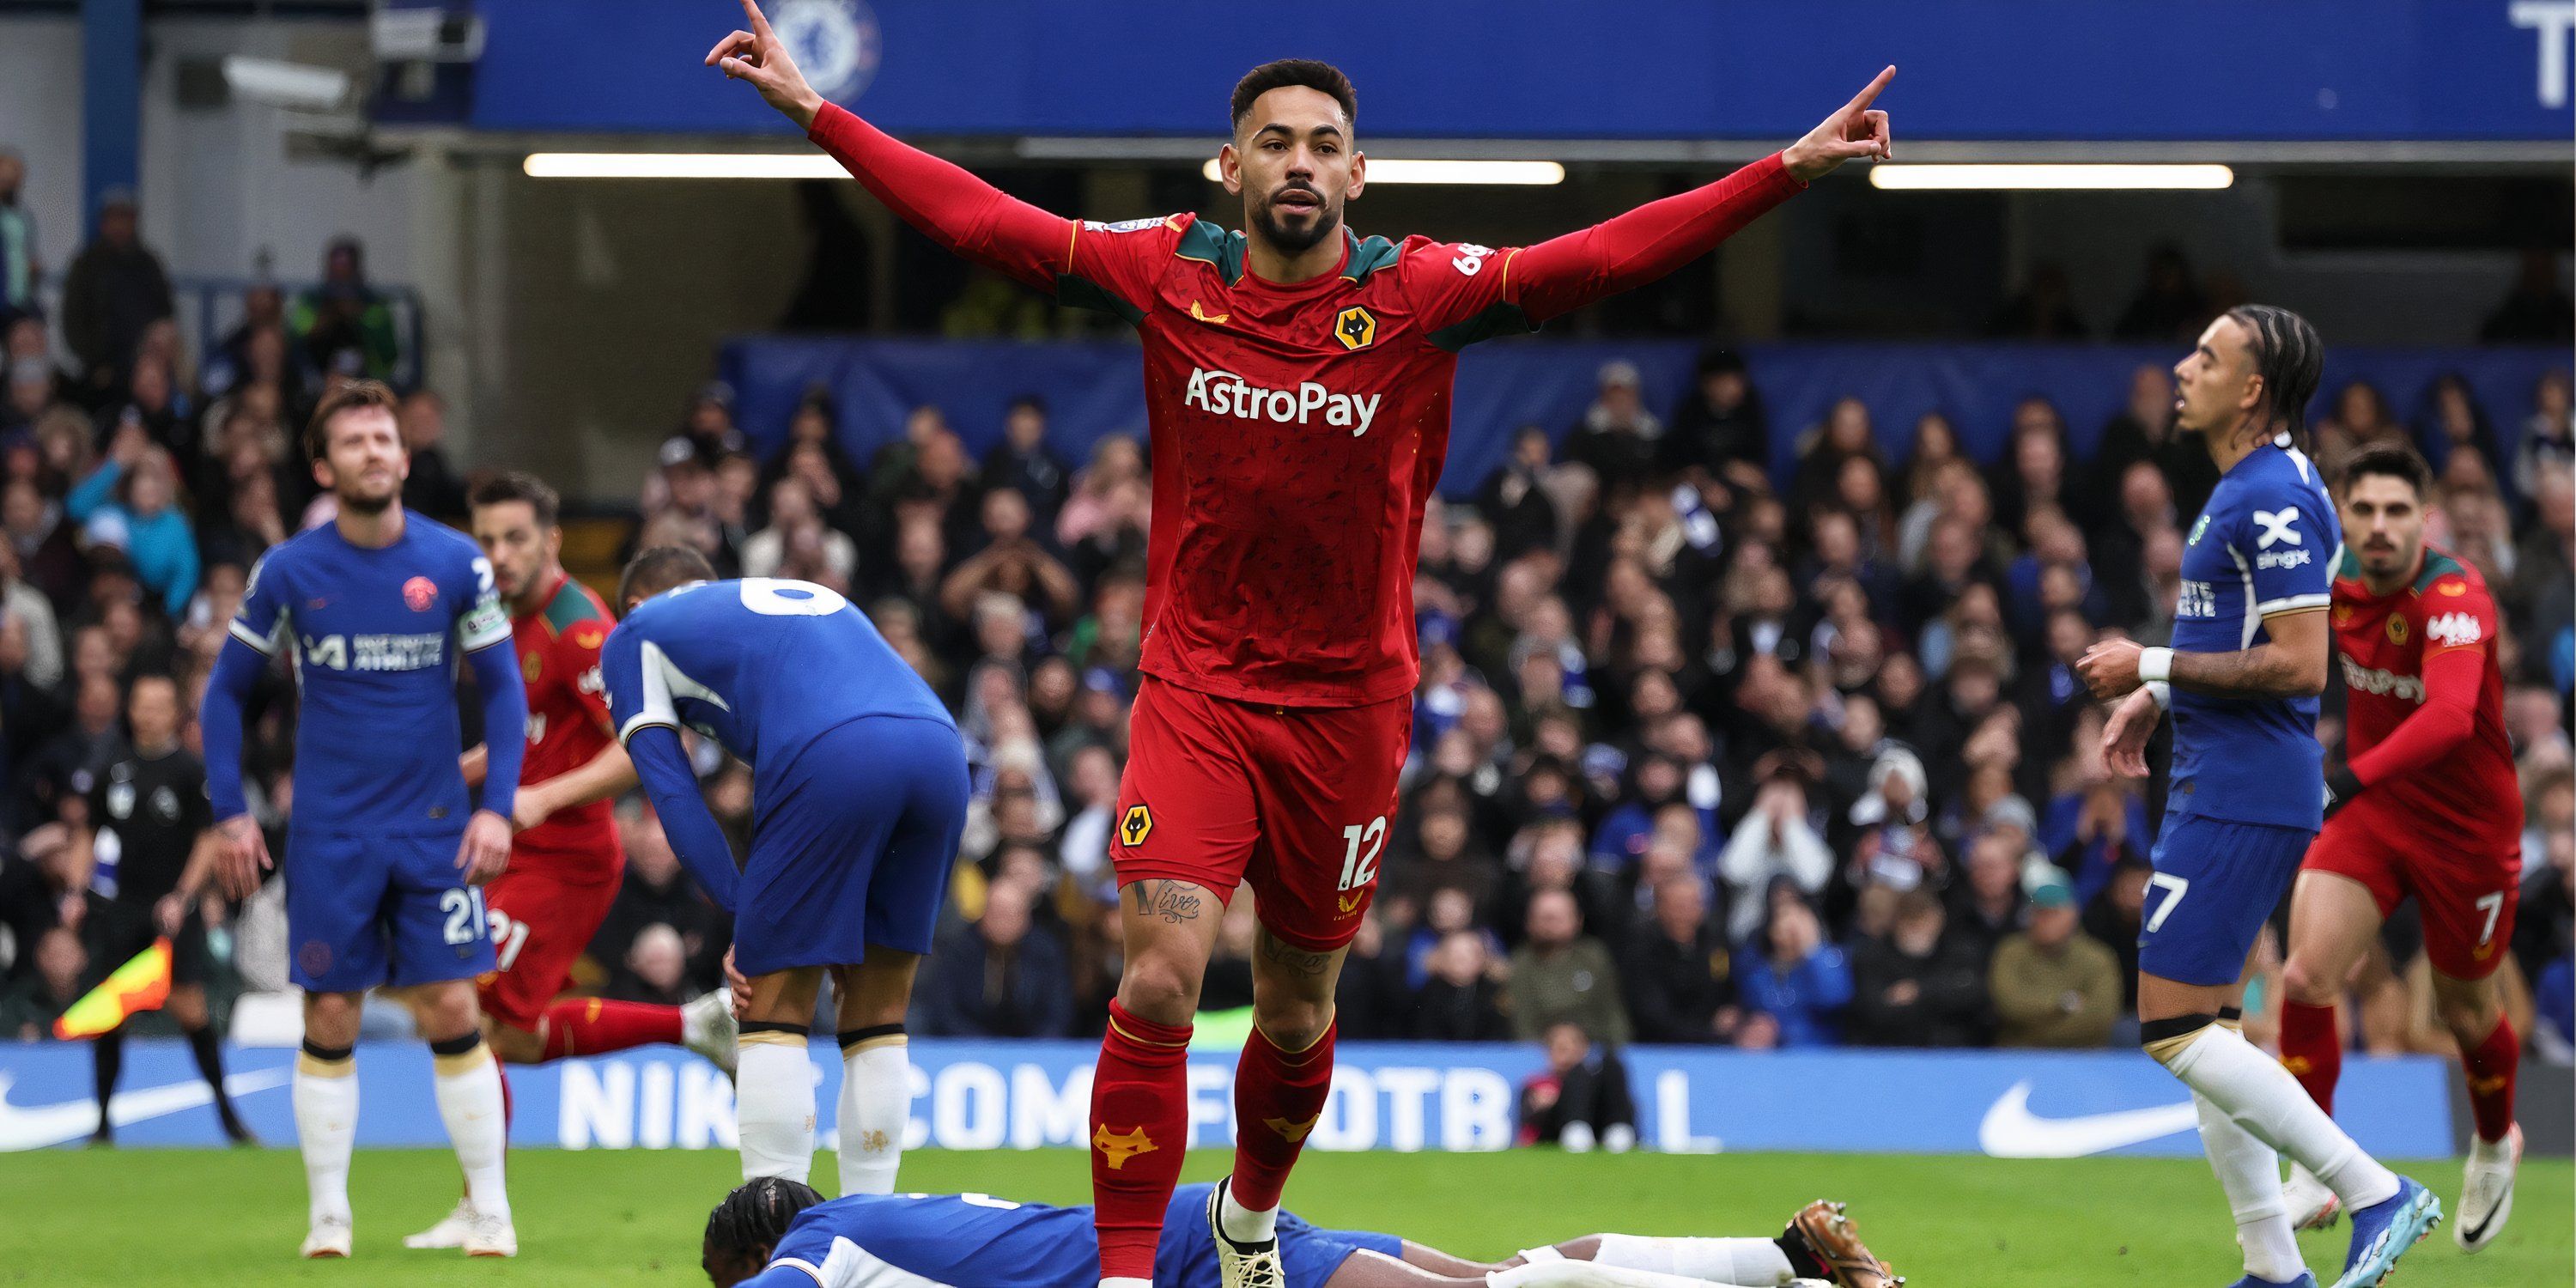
[
  {"x": 1867, "y": 95},
  {"x": 760, "y": 24}
]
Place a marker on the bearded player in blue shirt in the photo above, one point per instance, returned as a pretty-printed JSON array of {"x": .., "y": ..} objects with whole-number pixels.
[
  {"x": 385, "y": 851},
  {"x": 2247, "y": 790},
  {"x": 776, "y": 1233}
]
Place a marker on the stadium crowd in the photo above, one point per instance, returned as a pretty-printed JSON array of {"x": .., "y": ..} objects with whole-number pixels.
[{"x": 1700, "y": 755}]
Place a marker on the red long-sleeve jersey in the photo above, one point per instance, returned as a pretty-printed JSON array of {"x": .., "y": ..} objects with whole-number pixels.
[
  {"x": 2424, "y": 711},
  {"x": 558, "y": 648},
  {"x": 1297, "y": 430}
]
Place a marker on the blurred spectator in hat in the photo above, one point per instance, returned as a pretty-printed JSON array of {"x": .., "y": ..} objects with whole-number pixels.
[
  {"x": 1024, "y": 463},
  {"x": 342, "y": 314},
  {"x": 1617, "y": 437},
  {"x": 20, "y": 269},
  {"x": 2054, "y": 985},
  {"x": 116, "y": 288},
  {"x": 2045, "y": 309}
]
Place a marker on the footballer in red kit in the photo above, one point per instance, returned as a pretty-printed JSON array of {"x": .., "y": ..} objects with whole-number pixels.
[
  {"x": 1298, "y": 382},
  {"x": 565, "y": 862},
  {"x": 2426, "y": 806}
]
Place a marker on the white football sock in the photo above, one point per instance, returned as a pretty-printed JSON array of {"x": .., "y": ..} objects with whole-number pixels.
[
  {"x": 2268, "y": 1101},
  {"x": 1242, "y": 1224},
  {"x": 774, "y": 1105},
  {"x": 326, "y": 1128},
  {"x": 1729, "y": 1261},
  {"x": 2250, "y": 1172},
  {"x": 469, "y": 1102},
  {"x": 876, "y": 1101},
  {"x": 1593, "y": 1274}
]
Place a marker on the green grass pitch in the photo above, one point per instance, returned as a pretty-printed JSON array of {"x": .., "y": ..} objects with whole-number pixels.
[{"x": 128, "y": 1218}]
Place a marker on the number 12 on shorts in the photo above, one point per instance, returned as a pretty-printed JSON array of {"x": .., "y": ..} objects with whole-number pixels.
[{"x": 1359, "y": 860}]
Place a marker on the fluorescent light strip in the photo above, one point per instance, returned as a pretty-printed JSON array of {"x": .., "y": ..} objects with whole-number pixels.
[
  {"x": 1918, "y": 178},
  {"x": 791, "y": 165},
  {"x": 682, "y": 165},
  {"x": 1534, "y": 174}
]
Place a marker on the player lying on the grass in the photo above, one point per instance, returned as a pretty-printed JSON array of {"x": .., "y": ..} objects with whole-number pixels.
[
  {"x": 565, "y": 860},
  {"x": 772, "y": 1233},
  {"x": 1298, "y": 380},
  {"x": 859, "y": 795},
  {"x": 2427, "y": 806},
  {"x": 377, "y": 611}
]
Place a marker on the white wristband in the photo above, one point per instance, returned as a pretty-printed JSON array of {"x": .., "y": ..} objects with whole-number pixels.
[
  {"x": 2162, "y": 693},
  {"x": 2155, "y": 664}
]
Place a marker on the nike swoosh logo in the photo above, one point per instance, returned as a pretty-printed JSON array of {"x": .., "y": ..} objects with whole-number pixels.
[
  {"x": 38, "y": 1126},
  {"x": 2011, "y": 1130}
]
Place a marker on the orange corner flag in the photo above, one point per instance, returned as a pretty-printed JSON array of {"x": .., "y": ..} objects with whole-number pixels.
[{"x": 142, "y": 984}]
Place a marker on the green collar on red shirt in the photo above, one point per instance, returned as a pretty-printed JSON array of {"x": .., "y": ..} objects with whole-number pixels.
[{"x": 1209, "y": 244}]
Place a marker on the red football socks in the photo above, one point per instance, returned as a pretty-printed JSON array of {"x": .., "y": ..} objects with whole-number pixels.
[
  {"x": 1140, "y": 1131},
  {"x": 595, "y": 1026},
  {"x": 1278, "y": 1096},
  {"x": 2491, "y": 1069},
  {"x": 2312, "y": 1050}
]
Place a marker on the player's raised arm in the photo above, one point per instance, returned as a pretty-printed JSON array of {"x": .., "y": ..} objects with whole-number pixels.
[
  {"x": 949, "y": 205},
  {"x": 1630, "y": 250}
]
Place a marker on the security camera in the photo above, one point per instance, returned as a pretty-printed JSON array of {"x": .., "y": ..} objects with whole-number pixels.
[{"x": 296, "y": 86}]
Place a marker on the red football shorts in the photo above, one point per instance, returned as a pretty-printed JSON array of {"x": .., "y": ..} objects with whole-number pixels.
[
  {"x": 2466, "y": 890},
  {"x": 541, "y": 922},
  {"x": 1295, "y": 800}
]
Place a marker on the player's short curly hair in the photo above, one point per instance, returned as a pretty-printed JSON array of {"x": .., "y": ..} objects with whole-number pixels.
[
  {"x": 755, "y": 1216},
  {"x": 2394, "y": 460},
  {"x": 1314, "y": 75},
  {"x": 659, "y": 569}
]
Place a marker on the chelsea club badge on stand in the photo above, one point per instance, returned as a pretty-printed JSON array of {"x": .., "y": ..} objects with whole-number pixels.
[{"x": 835, "y": 43}]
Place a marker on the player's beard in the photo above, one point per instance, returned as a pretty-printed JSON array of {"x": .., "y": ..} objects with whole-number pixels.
[
  {"x": 1296, "y": 241},
  {"x": 370, "y": 506}
]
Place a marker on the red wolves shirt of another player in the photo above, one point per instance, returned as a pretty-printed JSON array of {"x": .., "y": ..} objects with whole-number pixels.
[
  {"x": 2385, "y": 644},
  {"x": 558, "y": 648}
]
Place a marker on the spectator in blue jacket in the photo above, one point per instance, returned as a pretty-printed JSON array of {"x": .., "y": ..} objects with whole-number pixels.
[
  {"x": 1792, "y": 975},
  {"x": 132, "y": 501},
  {"x": 1002, "y": 977}
]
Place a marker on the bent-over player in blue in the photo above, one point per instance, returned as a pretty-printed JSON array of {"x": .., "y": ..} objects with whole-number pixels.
[
  {"x": 384, "y": 850},
  {"x": 858, "y": 799},
  {"x": 774, "y": 1233},
  {"x": 2246, "y": 790}
]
